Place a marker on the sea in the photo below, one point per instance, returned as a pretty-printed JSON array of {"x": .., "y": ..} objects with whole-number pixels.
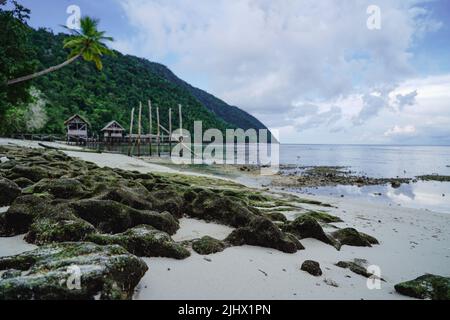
[{"x": 380, "y": 161}]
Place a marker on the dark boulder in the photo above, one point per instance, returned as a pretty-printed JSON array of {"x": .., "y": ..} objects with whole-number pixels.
[
  {"x": 130, "y": 197},
  {"x": 306, "y": 227},
  {"x": 22, "y": 212},
  {"x": 51, "y": 272},
  {"x": 357, "y": 266},
  {"x": 112, "y": 217},
  {"x": 58, "y": 229},
  {"x": 62, "y": 188},
  {"x": 34, "y": 173},
  {"x": 428, "y": 286},
  {"x": 312, "y": 267},
  {"x": 208, "y": 245},
  {"x": 352, "y": 237},
  {"x": 210, "y": 206},
  {"x": 144, "y": 241},
  {"x": 262, "y": 232},
  {"x": 276, "y": 216},
  {"x": 23, "y": 182},
  {"x": 9, "y": 191},
  {"x": 168, "y": 200}
]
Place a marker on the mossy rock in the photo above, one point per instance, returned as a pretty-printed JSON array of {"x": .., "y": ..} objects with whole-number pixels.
[
  {"x": 62, "y": 188},
  {"x": 323, "y": 217},
  {"x": 9, "y": 191},
  {"x": 51, "y": 230},
  {"x": 223, "y": 209},
  {"x": 208, "y": 245},
  {"x": 112, "y": 217},
  {"x": 312, "y": 267},
  {"x": 352, "y": 237},
  {"x": 144, "y": 241},
  {"x": 262, "y": 232},
  {"x": 276, "y": 216},
  {"x": 136, "y": 199},
  {"x": 34, "y": 173},
  {"x": 306, "y": 227},
  {"x": 23, "y": 182},
  {"x": 168, "y": 200},
  {"x": 22, "y": 213},
  {"x": 428, "y": 286},
  {"x": 357, "y": 266},
  {"x": 106, "y": 272}
]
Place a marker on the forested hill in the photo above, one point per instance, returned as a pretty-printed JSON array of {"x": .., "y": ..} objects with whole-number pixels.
[
  {"x": 124, "y": 81},
  {"x": 230, "y": 114}
]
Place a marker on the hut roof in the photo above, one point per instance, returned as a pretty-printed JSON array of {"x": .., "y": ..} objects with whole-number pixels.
[
  {"x": 107, "y": 127},
  {"x": 76, "y": 116}
]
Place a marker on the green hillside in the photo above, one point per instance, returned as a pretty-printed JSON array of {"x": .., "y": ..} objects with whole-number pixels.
[{"x": 111, "y": 94}]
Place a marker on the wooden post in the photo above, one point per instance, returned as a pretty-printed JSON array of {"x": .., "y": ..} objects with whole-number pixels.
[
  {"x": 181, "y": 116},
  {"x": 131, "y": 132},
  {"x": 170, "y": 132},
  {"x": 150, "y": 124},
  {"x": 158, "y": 132},
  {"x": 139, "y": 129}
]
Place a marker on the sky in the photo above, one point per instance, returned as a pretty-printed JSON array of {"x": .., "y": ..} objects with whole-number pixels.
[{"x": 318, "y": 71}]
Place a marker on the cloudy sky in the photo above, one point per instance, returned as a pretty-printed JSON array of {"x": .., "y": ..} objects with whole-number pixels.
[{"x": 312, "y": 69}]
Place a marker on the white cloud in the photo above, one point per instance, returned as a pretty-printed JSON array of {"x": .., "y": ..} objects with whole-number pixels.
[
  {"x": 299, "y": 65},
  {"x": 401, "y": 131},
  {"x": 407, "y": 99}
]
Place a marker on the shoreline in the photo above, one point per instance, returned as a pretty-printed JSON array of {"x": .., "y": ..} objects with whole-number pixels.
[{"x": 412, "y": 242}]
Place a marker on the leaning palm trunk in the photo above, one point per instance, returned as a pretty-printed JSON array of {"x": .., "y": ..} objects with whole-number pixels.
[{"x": 43, "y": 72}]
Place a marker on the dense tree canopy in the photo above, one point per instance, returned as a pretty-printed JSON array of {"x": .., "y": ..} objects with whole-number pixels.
[
  {"x": 98, "y": 96},
  {"x": 16, "y": 58}
]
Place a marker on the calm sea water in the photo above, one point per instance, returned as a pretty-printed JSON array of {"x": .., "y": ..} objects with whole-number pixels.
[
  {"x": 380, "y": 161},
  {"x": 373, "y": 161}
]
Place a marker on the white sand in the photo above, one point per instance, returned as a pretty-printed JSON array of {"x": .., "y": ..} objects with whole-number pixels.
[
  {"x": 119, "y": 161},
  {"x": 14, "y": 245},
  {"x": 413, "y": 242},
  {"x": 238, "y": 273},
  {"x": 191, "y": 229}
]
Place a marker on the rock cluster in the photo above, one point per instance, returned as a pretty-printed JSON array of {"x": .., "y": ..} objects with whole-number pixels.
[{"x": 79, "y": 212}]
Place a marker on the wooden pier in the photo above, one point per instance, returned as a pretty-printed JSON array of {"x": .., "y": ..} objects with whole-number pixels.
[{"x": 135, "y": 141}]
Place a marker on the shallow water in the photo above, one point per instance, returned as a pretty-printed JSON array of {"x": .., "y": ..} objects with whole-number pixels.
[
  {"x": 381, "y": 162},
  {"x": 429, "y": 195},
  {"x": 374, "y": 161}
]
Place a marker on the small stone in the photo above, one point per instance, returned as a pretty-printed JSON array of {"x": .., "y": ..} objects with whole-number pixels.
[
  {"x": 312, "y": 267},
  {"x": 331, "y": 282}
]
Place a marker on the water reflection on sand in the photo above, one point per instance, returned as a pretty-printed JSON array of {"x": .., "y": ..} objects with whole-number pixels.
[{"x": 434, "y": 196}]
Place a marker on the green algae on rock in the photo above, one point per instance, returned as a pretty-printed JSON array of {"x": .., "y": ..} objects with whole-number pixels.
[
  {"x": 9, "y": 191},
  {"x": 208, "y": 245},
  {"x": 323, "y": 217},
  {"x": 210, "y": 206},
  {"x": 312, "y": 267},
  {"x": 113, "y": 217},
  {"x": 428, "y": 286},
  {"x": 104, "y": 272},
  {"x": 357, "y": 266},
  {"x": 262, "y": 232},
  {"x": 352, "y": 237},
  {"x": 307, "y": 227},
  {"x": 144, "y": 241}
]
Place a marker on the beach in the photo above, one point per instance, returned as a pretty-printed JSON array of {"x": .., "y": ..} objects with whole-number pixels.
[{"x": 413, "y": 242}]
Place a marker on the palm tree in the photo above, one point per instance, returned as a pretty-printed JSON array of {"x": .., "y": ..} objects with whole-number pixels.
[{"x": 88, "y": 44}]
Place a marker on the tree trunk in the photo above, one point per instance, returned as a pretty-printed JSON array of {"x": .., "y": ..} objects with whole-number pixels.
[{"x": 43, "y": 72}]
